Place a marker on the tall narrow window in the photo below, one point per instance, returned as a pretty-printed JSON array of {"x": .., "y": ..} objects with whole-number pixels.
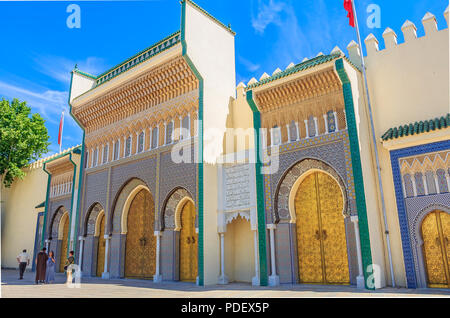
[
  {"x": 94, "y": 164},
  {"x": 420, "y": 187},
  {"x": 105, "y": 154},
  {"x": 185, "y": 128},
  {"x": 155, "y": 137},
  {"x": 293, "y": 134},
  {"x": 128, "y": 147},
  {"x": 276, "y": 135},
  {"x": 86, "y": 162},
  {"x": 169, "y": 130},
  {"x": 116, "y": 150},
  {"x": 442, "y": 181},
  {"x": 141, "y": 142},
  {"x": 311, "y": 126}
]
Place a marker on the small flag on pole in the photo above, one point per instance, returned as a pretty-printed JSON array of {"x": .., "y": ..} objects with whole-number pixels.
[
  {"x": 61, "y": 125},
  {"x": 348, "y": 6}
]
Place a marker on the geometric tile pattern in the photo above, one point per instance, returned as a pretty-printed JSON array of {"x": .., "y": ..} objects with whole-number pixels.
[{"x": 401, "y": 207}]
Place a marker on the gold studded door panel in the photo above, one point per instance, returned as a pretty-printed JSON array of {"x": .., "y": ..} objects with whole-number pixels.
[
  {"x": 133, "y": 246},
  {"x": 434, "y": 249},
  {"x": 148, "y": 238},
  {"x": 188, "y": 244},
  {"x": 101, "y": 248},
  {"x": 308, "y": 235},
  {"x": 63, "y": 255},
  {"x": 445, "y": 225},
  {"x": 333, "y": 238}
]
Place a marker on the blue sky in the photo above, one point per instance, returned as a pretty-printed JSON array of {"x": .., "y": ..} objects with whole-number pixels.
[{"x": 39, "y": 50}]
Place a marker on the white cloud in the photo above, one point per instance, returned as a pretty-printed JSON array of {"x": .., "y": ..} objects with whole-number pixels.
[
  {"x": 59, "y": 68},
  {"x": 251, "y": 67},
  {"x": 267, "y": 13}
]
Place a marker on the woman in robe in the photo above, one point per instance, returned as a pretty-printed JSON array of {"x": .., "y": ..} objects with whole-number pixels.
[{"x": 50, "y": 271}]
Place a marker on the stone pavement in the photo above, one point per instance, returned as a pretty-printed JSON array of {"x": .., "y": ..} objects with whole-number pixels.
[{"x": 96, "y": 287}]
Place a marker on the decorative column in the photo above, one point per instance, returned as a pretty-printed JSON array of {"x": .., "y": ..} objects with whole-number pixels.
[
  {"x": 316, "y": 126},
  {"x": 325, "y": 121},
  {"x": 255, "y": 279},
  {"x": 360, "y": 277},
  {"x": 436, "y": 183},
  {"x": 80, "y": 263},
  {"x": 105, "y": 274},
  {"x": 47, "y": 244},
  {"x": 298, "y": 131},
  {"x": 447, "y": 177},
  {"x": 413, "y": 179},
  {"x": 288, "y": 134},
  {"x": 158, "y": 277},
  {"x": 306, "y": 126},
  {"x": 425, "y": 184},
  {"x": 274, "y": 279},
  {"x": 223, "y": 279},
  {"x": 403, "y": 187},
  {"x": 336, "y": 123}
]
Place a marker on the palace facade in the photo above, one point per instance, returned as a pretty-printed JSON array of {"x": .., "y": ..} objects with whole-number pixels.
[{"x": 182, "y": 176}]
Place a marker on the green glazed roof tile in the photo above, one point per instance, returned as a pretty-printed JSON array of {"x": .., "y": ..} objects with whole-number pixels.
[
  {"x": 297, "y": 68},
  {"x": 417, "y": 128}
]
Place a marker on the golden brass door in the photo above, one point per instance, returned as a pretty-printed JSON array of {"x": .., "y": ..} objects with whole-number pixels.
[
  {"x": 436, "y": 248},
  {"x": 63, "y": 255},
  {"x": 140, "y": 247},
  {"x": 321, "y": 241},
  {"x": 101, "y": 248},
  {"x": 188, "y": 244}
]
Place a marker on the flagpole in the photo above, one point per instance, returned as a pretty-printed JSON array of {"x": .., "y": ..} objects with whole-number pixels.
[
  {"x": 380, "y": 185},
  {"x": 62, "y": 128}
]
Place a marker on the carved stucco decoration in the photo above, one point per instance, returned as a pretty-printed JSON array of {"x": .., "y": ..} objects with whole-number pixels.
[
  {"x": 91, "y": 219},
  {"x": 281, "y": 206},
  {"x": 168, "y": 219}
]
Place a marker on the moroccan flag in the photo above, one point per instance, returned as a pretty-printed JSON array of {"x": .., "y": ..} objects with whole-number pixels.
[
  {"x": 348, "y": 6},
  {"x": 61, "y": 124}
]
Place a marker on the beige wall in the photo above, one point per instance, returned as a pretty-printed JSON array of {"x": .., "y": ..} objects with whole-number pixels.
[
  {"x": 19, "y": 215},
  {"x": 407, "y": 82},
  {"x": 239, "y": 251}
]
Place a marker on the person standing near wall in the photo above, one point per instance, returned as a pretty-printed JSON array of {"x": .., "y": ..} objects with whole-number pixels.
[
  {"x": 70, "y": 260},
  {"x": 41, "y": 266},
  {"x": 24, "y": 260}
]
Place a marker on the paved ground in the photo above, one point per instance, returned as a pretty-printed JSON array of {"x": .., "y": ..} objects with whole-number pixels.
[{"x": 95, "y": 287}]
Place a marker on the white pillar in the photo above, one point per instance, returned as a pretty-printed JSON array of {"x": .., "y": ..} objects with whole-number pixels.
[
  {"x": 436, "y": 183},
  {"x": 47, "y": 245},
  {"x": 105, "y": 274},
  {"x": 316, "y": 126},
  {"x": 425, "y": 184},
  {"x": 326, "y": 123},
  {"x": 288, "y": 134},
  {"x": 413, "y": 179},
  {"x": 403, "y": 187},
  {"x": 158, "y": 277},
  {"x": 223, "y": 279},
  {"x": 447, "y": 177},
  {"x": 274, "y": 279},
  {"x": 360, "y": 277},
  {"x": 80, "y": 263},
  {"x": 306, "y": 126},
  {"x": 336, "y": 121},
  {"x": 298, "y": 131},
  {"x": 255, "y": 280}
]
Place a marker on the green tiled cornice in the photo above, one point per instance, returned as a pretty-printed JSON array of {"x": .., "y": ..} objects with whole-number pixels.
[
  {"x": 136, "y": 59},
  {"x": 361, "y": 206},
  {"x": 297, "y": 68},
  {"x": 419, "y": 127},
  {"x": 228, "y": 28}
]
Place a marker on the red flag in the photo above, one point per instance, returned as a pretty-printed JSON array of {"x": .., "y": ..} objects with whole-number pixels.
[
  {"x": 61, "y": 124},
  {"x": 348, "y": 6}
]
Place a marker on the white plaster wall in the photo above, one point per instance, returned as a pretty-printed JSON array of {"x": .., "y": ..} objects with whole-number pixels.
[
  {"x": 19, "y": 215},
  {"x": 211, "y": 49}
]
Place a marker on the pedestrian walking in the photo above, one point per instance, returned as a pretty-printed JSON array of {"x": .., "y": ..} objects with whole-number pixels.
[
  {"x": 41, "y": 266},
  {"x": 70, "y": 260},
  {"x": 50, "y": 271},
  {"x": 24, "y": 260}
]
